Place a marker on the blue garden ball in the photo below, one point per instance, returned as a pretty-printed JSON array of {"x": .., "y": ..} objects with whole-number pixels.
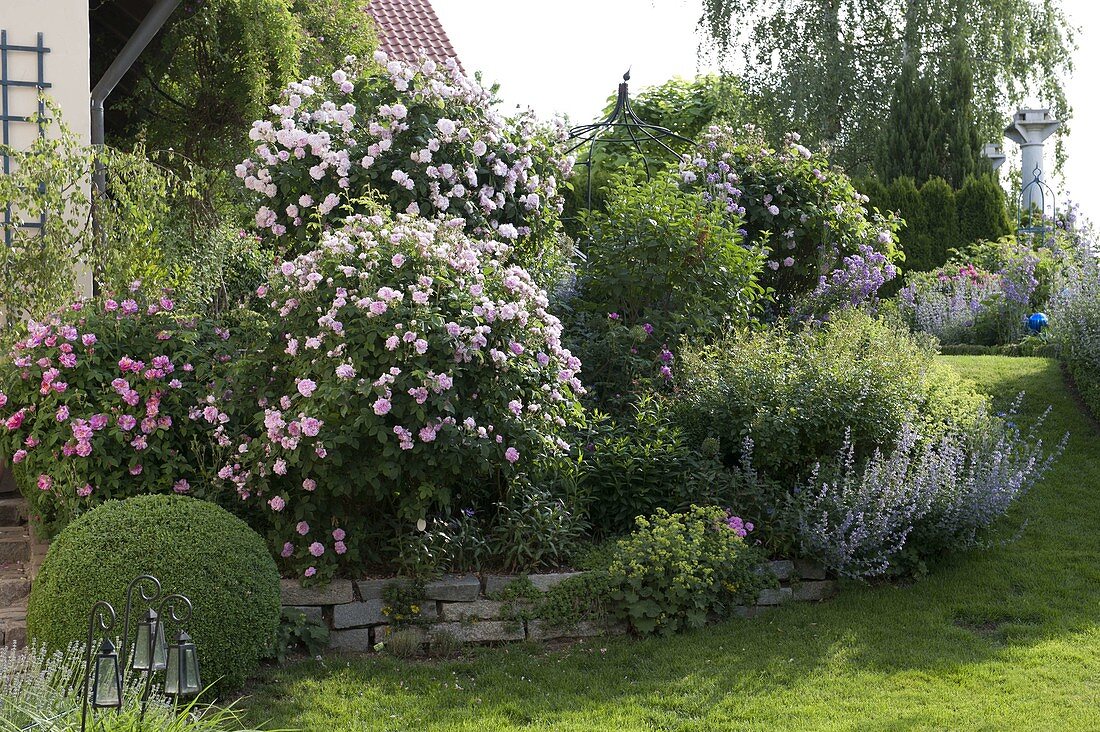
[{"x": 1037, "y": 322}]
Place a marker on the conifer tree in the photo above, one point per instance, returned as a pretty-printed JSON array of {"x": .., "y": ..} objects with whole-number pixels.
[
  {"x": 911, "y": 141},
  {"x": 959, "y": 138}
]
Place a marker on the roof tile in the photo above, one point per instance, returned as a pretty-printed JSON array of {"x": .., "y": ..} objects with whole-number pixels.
[{"x": 406, "y": 27}]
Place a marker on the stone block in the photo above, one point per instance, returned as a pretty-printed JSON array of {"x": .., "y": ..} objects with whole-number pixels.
[
  {"x": 808, "y": 570},
  {"x": 383, "y": 632},
  {"x": 337, "y": 592},
  {"x": 358, "y": 614},
  {"x": 351, "y": 641},
  {"x": 454, "y": 588},
  {"x": 546, "y": 582},
  {"x": 748, "y": 613},
  {"x": 312, "y": 612},
  {"x": 476, "y": 610},
  {"x": 371, "y": 589},
  {"x": 486, "y": 631},
  {"x": 775, "y": 597},
  {"x": 370, "y": 612},
  {"x": 495, "y": 583},
  {"x": 13, "y": 589},
  {"x": 814, "y": 591},
  {"x": 782, "y": 569},
  {"x": 541, "y": 630}
]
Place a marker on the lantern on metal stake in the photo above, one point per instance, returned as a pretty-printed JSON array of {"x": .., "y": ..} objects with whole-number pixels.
[
  {"x": 150, "y": 650},
  {"x": 182, "y": 676},
  {"x": 107, "y": 682}
]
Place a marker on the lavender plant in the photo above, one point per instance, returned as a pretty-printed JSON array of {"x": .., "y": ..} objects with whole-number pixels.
[
  {"x": 41, "y": 690},
  {"x": 948, "y": 302},
  {"x": 918, "y": 500}
]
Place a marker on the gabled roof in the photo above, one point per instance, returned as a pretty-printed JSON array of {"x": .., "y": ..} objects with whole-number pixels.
[{"x": 405, "y": 27}]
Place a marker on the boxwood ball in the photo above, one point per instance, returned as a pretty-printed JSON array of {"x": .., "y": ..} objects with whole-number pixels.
[
  {"x": 194, "y": 548},
  {"x": 1037, "y": 322}
]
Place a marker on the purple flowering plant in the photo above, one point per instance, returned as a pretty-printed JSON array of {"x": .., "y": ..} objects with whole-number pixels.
[
  {"x": 409, "y": 369},
  {"x": 423, "y": 134},
  {"x": 918, "y": 500},
  {"x": 821, "y": 239},
  {"x": 94, "y": 403}
]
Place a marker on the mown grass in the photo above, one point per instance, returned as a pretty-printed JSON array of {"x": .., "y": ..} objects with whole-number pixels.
[{"x": 999, "y": 639}]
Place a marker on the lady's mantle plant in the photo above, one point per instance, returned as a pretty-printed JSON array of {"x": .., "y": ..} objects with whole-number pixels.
[
  {"x": 676, "y": 570},
  {"x": 424, "y": 135},
  {"x": 95, "y": 400},
  {"x": 409, "y": 369}
]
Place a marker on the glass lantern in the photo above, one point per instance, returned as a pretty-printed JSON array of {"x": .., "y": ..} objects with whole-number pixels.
[
  {"x": 182, "y": 675},
  {"x": 107, "y": 684},
  {"x": 150, "y": 642}
]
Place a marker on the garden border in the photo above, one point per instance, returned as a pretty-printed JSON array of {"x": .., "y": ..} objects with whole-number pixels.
[{"x": 463, "y": 606}]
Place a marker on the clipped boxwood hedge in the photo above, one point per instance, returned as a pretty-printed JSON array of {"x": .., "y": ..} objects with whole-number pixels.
[{"x": 195, "y": 548}]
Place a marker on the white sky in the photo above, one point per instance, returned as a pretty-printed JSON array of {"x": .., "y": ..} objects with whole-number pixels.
[{"x": 571, "y": 54}]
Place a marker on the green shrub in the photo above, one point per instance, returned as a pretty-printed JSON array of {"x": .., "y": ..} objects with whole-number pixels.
[
  {"x": 676, "y": 570},
  {"x": 903, "y": 197},
  {"x": 194, "y": 548},
  {"x": 795, "y": 394},
  {"x": 636, "y": 463},
  {"x": 297, "y": 632},
  {"x": 941, "y": 224},
  {"x": 983, "y": 212},
  {"x": 662, "y": 265}
]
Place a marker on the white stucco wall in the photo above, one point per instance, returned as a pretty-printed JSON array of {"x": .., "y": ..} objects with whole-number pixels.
[{"x": 64, "y": 25}]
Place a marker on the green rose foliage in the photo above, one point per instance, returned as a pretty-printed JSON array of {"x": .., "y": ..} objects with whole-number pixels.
[
  {"x": 663, "y": 266},
  {"x": 407, "y": 371},
  {"x": 98, "y": 400},
  {"x": 677, "y": 570},
  {"x": 793, "y": 202},
  {"x": 632, "y": 464}
]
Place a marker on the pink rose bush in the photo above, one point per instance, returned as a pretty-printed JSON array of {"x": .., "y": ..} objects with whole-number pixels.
[
  {"x": 94, "y": 403},
  {"x": 409, "y": 369},
  {"x": 423, "y": 135},
  {"x": 826, "y": 249}
]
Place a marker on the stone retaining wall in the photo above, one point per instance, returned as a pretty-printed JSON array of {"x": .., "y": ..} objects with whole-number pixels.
[{"x": 461, "y": 606}]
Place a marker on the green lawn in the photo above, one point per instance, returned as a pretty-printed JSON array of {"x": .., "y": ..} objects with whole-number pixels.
[{"x": 1002, "y": 639}]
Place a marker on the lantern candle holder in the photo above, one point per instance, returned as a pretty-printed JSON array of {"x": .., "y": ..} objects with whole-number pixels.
[{"x": 105, "y": 675}]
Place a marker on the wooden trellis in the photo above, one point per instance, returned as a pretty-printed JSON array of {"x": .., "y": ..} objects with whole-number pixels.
[{"x": 7, "y": 118}]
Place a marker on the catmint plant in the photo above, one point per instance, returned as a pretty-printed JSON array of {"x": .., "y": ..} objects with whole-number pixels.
[{"x": 920, "y": 499}]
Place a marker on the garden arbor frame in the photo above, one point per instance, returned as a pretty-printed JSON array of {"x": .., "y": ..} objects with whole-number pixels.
[{"x": 622, "y": 126}]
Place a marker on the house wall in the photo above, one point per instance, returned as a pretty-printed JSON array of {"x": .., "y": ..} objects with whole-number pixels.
[{"x": 64, "y": 25}]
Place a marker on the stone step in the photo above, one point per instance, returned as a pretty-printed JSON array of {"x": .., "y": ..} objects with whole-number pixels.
[
  {"x": 13, "y": 511},
  {"x": 15, "y": 544},
  {"x": 13, "y": 624},
  {"x": 15, "y": 585}
]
